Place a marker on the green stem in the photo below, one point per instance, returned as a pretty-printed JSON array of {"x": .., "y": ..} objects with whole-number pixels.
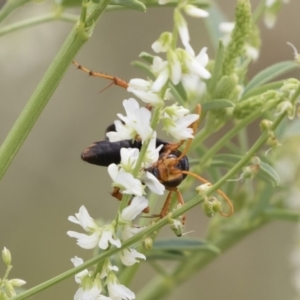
[
  {"x": 9, "y": 7},
  {"x": 229, "y": 135},
  {"x": 38, "y": 20},
  {"x": 44, "y": 91},
  {"x": 155, "y": 227},
  {"x": 161, "y": 286}
]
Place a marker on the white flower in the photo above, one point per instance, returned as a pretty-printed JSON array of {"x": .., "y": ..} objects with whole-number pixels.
[
  {"x": 107, "y": 268},
  {"x": 183, "y": 31},
  {"x": 137, "y": 205},
  {"x": 129, "y": 157},
  {"x": 196, "y": 64},
  {"x": 125, "y": 181},
  {"x": 129, "y": 256},
  {"x": 136, "y": 122},
  {"x": 161, "y": 70},
  {"x": 101, "y": 236},
  {"x": 193, "y": 85},
  {"x": 118, "y": 291},
  {"x": 87, "y": 294},
  {"x": 152, "y": 183},
  {"x": 175, "y": 66},
  {"x": 152, "y": 153},
  {"x": 194, "y": 11},
  {"x": 143, "y": 90},
  {"x": 129, "y": 231},
  {"x": 77, "y": 261},
  {"x": 176, "y": 122},
  {"x": 163, "y": 43}
]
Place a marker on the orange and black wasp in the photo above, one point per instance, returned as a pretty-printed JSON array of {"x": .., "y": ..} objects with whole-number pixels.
[{"x": 171, "y": 168}]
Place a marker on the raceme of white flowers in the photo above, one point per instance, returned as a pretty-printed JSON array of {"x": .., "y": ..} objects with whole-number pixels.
[{"x": 131, "y": 176}]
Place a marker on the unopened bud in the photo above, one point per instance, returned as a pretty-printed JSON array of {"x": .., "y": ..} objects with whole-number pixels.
[
  {"x": 250, "y": 171},
  {"x": 176, "y": 226},
  {"x": 17, "y": 282},
  {"x": 273, "y": 142},
  {"x": 148, "y": 243},
  {"x": 208, "y": 209},
  {"x": 6, "y": 256},
  {"x": 10, "y": 291},
  {"x": 216, "y": 205},
  {"x": 3, "y": 296},
  {"x": 202, "y": 189},
  {"x": 265, "y": 124}
]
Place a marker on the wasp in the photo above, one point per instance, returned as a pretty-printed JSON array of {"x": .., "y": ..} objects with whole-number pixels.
[{"x": 171, "y": 168}]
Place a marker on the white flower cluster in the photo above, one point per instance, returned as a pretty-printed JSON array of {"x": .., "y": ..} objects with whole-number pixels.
[{"x": 131, "y": 175}]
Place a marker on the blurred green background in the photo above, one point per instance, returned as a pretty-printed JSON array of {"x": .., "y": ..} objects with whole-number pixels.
[{"x": 47, "y": 181}]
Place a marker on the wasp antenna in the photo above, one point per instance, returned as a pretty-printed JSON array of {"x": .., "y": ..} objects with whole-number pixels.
[
  {"x": 115, "y": 80},
  {"x": 221, "y": 193}
]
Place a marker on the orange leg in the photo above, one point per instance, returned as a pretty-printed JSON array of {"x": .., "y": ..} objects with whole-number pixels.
[
  {"x": 115, "y": 80},
  {"x": 228, "y": 201}
]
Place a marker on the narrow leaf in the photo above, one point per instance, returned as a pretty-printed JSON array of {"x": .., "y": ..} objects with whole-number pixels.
[
  {"x": 217, "y": 104},
  {"x": 270, "y": 73},
  {"x": 266, "y": 172},
  {"x": 282, "y": 214},
  {"x": 133, "y": 4},
  {"x": 179, "y": 248}
]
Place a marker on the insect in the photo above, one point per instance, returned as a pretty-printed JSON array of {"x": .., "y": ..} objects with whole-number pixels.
[{"x": 171, "y": 168}]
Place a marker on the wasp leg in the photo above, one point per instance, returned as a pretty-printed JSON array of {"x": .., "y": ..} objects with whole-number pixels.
[
  {"x": 115, "y": 80},
  {"x": 181, "y": 201},
  {"x": 118, "y": 195}
]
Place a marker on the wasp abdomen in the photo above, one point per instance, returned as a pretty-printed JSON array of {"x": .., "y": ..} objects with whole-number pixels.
[{"x": 104, "y": 153}]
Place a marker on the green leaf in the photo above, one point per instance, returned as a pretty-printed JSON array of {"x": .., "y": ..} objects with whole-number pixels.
[
  {"x": 217, "y": 70},
  {"x": 178, "y": 248},
  {"x": 282, "y": 214},
  {"x": 270, "y": 73},
  {"x": 147, "y": 57},
  {"x": 133, "y": 4},
  {"x": 69, "y": 3},
  {"x": 265, "y": 173},
  {"x": 144, "y": 67},
  {"x": 217, "y": 104},
  {"x": 263, "y": 88}
]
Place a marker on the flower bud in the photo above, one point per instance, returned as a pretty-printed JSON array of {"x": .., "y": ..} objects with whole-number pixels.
[
  {"x": 265, "y": 125},
  {"x": 6, "y": 256},
  {"x": 3, "y": 296},
  {"x": 208, "y": 209},
  {"x": 148, "y": 243},
  {"x": 17, "y": 282},
  {"x": 216, "y": 205},
  {"x": 203, "y": 188},
  {"x": 10, "y": 291},
  {"x": 176, "y": 226}
]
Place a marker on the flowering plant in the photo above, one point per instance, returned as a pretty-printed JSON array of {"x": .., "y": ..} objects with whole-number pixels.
[{"x": 181, "y": 80}]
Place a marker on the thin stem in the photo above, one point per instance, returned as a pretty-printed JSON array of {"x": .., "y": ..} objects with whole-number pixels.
[
  {"x": 9, "y": 7},
  {"x": 160, "y": 286},
  {"x": 43, "y": 92},
  {"x": 38, "y": 20},
  {"x": 229, "y": 135}
]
